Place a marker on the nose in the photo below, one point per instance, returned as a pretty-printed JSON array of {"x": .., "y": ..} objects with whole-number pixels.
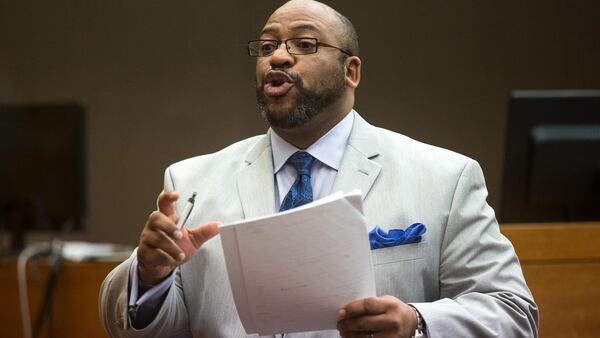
[{"x": 281, "y": 58}]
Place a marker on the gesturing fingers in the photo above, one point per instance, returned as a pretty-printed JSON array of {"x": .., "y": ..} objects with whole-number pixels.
[
  {"x": 160, "y": 233},
  {"x": 166, "y": 204},
  {"x": 155, "y": 257}
]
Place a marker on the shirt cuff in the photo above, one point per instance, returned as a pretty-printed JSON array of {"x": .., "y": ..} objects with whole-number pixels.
[{"x": 152, "y": 295}]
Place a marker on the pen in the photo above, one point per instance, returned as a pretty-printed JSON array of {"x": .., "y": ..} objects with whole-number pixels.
[{"x": 187, "y": 210}]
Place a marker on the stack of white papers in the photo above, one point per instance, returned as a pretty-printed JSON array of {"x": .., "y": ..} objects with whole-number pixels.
[{"x": 292, "y": 271}]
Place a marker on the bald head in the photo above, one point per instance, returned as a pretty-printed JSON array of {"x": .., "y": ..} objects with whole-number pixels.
[{"x": 342, "y": 26}]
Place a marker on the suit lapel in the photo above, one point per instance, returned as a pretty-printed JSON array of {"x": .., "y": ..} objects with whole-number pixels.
[
  {"x": 358, "y": 170},
  {"x": 255, "y": 182}
]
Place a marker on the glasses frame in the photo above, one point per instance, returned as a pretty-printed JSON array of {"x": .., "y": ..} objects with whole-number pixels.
[{"x": 287, "y": 47}]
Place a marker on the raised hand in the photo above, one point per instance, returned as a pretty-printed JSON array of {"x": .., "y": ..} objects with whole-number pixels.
[{"x": 162, "y": 246}]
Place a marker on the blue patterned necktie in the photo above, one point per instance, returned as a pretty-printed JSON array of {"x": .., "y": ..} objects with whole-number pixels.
[{"x": 301, "y": 191}]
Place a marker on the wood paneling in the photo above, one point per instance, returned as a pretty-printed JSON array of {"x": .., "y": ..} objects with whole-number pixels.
[
  {"x": 75, "y": 300},
  {"x": 561, "y": 263}
]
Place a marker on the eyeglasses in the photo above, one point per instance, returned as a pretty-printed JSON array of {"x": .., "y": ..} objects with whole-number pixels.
[{"x": 297, "y": 46}]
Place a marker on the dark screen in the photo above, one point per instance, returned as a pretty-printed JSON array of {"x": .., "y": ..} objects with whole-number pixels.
[
  {"x": 42, "y": 176},
  {"x": 552, "y": 157}
]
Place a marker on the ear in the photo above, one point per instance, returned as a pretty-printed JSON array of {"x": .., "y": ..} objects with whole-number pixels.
[{"x": 352, "y": 65}]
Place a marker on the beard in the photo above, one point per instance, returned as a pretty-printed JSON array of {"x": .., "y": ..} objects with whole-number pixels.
[{"x": 308, "y": 103}]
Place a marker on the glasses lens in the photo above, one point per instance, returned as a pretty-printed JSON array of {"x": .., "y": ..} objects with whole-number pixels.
[
  {"x": 262, "y": 47},
  {"x": 302, "y": 46}
]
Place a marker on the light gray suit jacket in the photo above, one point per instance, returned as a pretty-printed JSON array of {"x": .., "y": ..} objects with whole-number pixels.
[{"x": 464, "y": 277}]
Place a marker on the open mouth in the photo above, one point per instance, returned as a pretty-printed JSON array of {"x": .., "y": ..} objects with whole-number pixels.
[{"x": 277, "y": 83}]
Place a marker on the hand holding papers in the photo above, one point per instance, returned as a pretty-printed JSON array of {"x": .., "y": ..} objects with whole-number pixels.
[{"x": 292, "y": 271}]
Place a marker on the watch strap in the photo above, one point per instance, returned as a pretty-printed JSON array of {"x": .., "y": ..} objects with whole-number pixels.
[{"x": 420, "y": 329}]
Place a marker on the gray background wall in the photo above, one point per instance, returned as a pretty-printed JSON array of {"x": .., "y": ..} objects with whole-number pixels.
[{"x": 165, "y": 80}]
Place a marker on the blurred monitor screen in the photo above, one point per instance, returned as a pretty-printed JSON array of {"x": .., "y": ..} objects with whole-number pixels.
[
  {"x": 552, "y": 157},
  {"x": 42, "y": 171}
]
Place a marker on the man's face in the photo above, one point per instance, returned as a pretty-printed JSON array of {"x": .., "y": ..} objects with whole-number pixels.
[{"x": 291, "y": 89}]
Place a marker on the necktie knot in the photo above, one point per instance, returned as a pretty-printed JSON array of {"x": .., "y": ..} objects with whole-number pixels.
[{"x": 302, "y": 161}]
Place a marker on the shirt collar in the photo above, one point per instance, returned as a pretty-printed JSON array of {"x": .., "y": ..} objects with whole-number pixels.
[{"x": 329, "y": 149}]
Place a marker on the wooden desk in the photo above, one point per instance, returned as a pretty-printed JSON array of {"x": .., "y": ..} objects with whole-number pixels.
[
  {"x": 75, "y": 302},
  {"x": 561, "y": 263}
]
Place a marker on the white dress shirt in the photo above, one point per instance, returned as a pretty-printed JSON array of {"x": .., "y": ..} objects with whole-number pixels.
[{"x": 328, "y": 152}]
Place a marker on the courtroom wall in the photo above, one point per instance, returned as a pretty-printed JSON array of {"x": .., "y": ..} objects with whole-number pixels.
[{"x": 168, "y": 80}]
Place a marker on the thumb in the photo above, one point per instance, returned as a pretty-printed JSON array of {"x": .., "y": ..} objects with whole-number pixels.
[{"x": 203, "y": 233}]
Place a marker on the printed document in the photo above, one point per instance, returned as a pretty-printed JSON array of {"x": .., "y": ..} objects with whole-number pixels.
[{"x": 292, "y": 271}]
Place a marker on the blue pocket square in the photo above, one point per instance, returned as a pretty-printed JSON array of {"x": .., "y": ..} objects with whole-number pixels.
[{"x": 379, "y": 238}]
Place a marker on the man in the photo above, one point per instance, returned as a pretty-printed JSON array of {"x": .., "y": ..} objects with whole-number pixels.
[{"x": 462, "y": 280}]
